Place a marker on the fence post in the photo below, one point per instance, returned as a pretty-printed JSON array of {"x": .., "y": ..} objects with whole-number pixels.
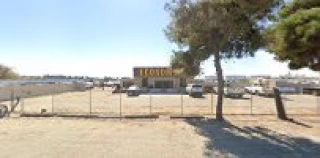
[
  {"x": 211, "y": 101},
  {"x": 251, "y": 102},
  {"x": 90, "y": 101},
  {"x": 120, "y": 110},
  {"x": 318, "y": 105},
  {"x": 12, "y": 96},
  {"x": 150, "y": 99},
  {"x": 181, "y": 103},
  {"x": 52, "y": 101},
  {"x": 22, "y": 105}
]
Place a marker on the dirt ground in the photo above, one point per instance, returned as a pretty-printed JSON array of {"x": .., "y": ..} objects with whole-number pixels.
[
  {"x": 239, "y": 136},
  {"x": 104, "y": 102}
]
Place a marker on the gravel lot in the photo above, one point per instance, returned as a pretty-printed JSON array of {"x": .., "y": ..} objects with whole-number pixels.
[
  {"x": 240, "y": 136},
  {"x": 104, "y": 102}
]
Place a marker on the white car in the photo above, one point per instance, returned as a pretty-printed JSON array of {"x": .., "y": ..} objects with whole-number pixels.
[
  {"x": 88, "y": 85},
  {"x": 133, "y": 91},
  {"x": 194, "y": 90},
  {"x": 233, "y": 91},
  {"x": 267, "y": 92},
  {"x": 260, "y": 90},
  {"x": 254, "y": 89}
]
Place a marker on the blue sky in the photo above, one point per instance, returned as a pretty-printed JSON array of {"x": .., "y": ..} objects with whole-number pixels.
[{"x": 98, "y": 38}]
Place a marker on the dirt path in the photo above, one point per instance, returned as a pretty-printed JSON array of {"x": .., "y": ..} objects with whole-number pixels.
[
  {"x": 240, "y": 136},
  {"x": 31, "y": 138}
]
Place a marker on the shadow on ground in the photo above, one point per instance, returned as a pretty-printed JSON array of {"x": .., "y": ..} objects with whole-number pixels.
[
  {"x": 228, "y": 140},
  {"x": 242, "y": 98}
]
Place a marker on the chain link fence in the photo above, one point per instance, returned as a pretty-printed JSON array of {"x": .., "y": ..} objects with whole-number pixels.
[
  {"x": 66, "y": 99},
  {"x": 301, "y": 104}
]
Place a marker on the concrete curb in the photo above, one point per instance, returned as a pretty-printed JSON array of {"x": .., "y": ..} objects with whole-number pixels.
[{"x": 37, "y": 115}]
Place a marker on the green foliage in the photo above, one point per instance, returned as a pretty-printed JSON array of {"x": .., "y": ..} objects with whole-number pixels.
[
  {"x": 221, "y": 28},
  {"x": 185, "y": 64},
  {"x": 230, "y": 27},
  {"x": 295, "y": 37},
  {"x": 297, "y": 5},
  {"x": 7, "y": 73}
]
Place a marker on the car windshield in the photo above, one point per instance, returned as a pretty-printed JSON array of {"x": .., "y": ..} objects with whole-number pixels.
[{"x": 197, "y": 86}]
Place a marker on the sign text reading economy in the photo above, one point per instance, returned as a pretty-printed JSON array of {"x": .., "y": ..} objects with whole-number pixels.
[{"x": 153, "y": 72}]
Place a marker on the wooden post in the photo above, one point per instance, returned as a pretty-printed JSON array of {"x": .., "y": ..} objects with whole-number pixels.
[{"x": 281, "y": 112}]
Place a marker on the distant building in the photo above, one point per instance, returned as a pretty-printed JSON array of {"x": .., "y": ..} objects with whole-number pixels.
[
  {"x": 213, "y": 80},
  {"x": 210, "y": 79},
  {"x": 231, "y": 78},
  {"x": 158, "y": 79},
  {"x": 255, "y": 77},
  {"x": 55, "y": 77},
  {"x": 197, "y": 81},
  {"x": 235, "y": 78}
]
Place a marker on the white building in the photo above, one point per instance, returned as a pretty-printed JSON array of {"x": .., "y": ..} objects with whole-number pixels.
[
  {"x": 235, "y": 78},
  {"x": 159, "y": 79},
  {"x": 255, "y": 77},
  {"x": 210, "y": 79}
]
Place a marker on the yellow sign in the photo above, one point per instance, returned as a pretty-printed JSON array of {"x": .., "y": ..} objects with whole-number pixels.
[{"x": 154, "y": 72}]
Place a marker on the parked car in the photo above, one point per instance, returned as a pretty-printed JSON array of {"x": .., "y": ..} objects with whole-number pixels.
[
  {"x": 133, "y": 91},
  {"x": 116, "y": 88},
  {"x": 209, "y": 89},
  {"x": 194, "y": 90},
  {"x": 89, "y": 85},
  {"x": 261, "y": 90},
  {"x": 231, "y": 90},
  {"x": 262, "y": 87},
  {"x": 254, "y": 88}
]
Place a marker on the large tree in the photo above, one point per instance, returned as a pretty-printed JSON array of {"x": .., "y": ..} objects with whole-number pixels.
[
  {"x": 223, "y": 29},
  {"x": 295, "y": 36},
  {"x": 186, "y": 64},
  {"x": 7, "y": 73}
]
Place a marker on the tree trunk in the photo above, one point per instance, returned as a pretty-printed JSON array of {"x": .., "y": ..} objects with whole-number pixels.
[{"x": 217, "y": 64}]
